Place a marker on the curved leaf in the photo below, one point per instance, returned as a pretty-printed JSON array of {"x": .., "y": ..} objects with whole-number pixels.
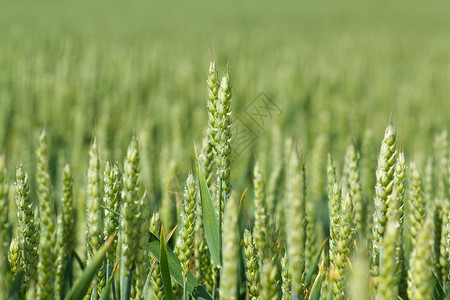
[{"x": 81, "y": 286}]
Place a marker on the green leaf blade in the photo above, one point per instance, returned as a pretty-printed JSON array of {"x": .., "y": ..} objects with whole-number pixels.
[
  {"x": 209, "y": 216},
  {"x": 81, "y": 286},
  {"x": 164, "y": 266},
  {"x": 194, "y": 288}
]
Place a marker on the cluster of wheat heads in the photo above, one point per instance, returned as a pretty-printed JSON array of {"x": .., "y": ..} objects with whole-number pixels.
[{"x": 387, "y": 241}]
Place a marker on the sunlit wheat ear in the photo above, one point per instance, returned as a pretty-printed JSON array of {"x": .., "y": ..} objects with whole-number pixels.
[
  {"x": 396, "y": 213},
  {"x": 296, "y": 223},
  {"x": 142, "y": 263},
  {"x": 341, "y": 240},
  {"x": 388, "y": 278},
  {"x": 187, "y": 224},
  {"x": 384, "y": 185},
  {"x": 210, "y": 141},
  {"x": 47, "y": 240},
  {"x": 14, "y": 257},
  {"x": 93, "y": 202},
  {"x": 223, "y": 135},
  {"x": 230, "y": 251},
  {"x": 156, "y": 281},
  {"x": 260, "y": 209},
  {"x": 420, "y": 265},
  {"x": 251, "y": 265},
  {"x": 113, "y": 189},
  {"x": 129, "y": 210},
  {"x": 65, "y": 231},
  {"x": 354, "y": 189},
  {"x": 417, "y": 204},
  {"x": 28, "y": 233}
]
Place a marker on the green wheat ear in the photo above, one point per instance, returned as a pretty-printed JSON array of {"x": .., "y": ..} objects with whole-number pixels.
[
  {"x": 93, "y": 233},
  {"x": 129, "y": 224},
  {"x": 230, "y": 251},
  {"x": 385, "y": 183},
  {"x": 188, "y": 224},
  {"x": 251, "y": 265},
  {"x": 388, "y": 279},
  {"x": 113, "y": 189},
  {"x": 260, "y": 210},
  {"x": 421, "y": 269},
  {"x": 269, "y": 283},
  {"x": 222, "y": 130},
  {"x": 47, "y": 240},
  {"x": 65, "y": 232},
  {"x": 28, "y": 233},
  {"x": 15, "y": 263},
  {"x": 296, "y": 223},
  {"x": 417, "y": 204},
  {"x": 354, "y": 188},
  {"x": 210, "y": 140},
  {"x": 285, "y": 279},
  {"x": 158, "y": 289},
  {"x": 142, "y": 266}
]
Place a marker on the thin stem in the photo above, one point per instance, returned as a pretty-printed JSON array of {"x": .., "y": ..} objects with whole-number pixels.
[{"x": 185, "y": 294}]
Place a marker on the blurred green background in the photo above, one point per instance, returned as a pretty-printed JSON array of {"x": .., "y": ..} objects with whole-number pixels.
[{"x": 118, "y": 68}]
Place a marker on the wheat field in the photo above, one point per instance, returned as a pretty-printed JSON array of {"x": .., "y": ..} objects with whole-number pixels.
[{"x": 228, "y": 150}]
